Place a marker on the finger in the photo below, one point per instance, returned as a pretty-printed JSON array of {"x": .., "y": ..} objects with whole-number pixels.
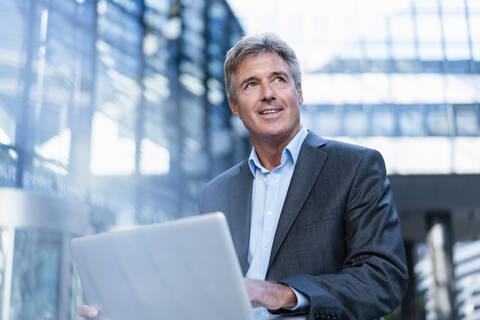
[{"x": 88, "y": 311}]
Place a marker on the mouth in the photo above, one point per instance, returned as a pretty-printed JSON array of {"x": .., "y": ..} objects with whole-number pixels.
[{"x": 270, "y": 111}]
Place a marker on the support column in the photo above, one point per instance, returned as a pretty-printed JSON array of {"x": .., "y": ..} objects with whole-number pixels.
[
  {"x": 409, "y": 308},
  {"x": 440, "y": 242},
  {"x": 8, "y": 243}
]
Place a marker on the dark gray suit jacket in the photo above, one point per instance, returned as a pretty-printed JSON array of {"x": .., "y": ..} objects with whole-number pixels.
[{"x": 338, "y": 239}]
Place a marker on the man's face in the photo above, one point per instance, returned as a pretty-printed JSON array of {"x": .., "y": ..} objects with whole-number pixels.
[{"x": 267, "y": 100}]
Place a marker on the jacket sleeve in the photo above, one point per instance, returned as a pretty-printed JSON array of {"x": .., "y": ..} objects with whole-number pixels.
[{"x": 374, "y": 277}]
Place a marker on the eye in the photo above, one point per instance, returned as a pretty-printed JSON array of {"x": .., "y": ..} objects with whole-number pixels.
[
  {"x": 279, "y": 79},
  {"x": 250, "y": 84}
]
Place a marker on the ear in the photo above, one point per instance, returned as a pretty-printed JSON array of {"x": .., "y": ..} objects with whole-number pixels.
[
  {"x": 233, "y": 107},
  {"x": 300, "y": 94}
]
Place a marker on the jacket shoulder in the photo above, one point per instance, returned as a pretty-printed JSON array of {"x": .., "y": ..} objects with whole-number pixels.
[
  {"x": 348, "y": 151},
  {"x": 211, "y": 198},
  {"x": 225, "y": 176}
]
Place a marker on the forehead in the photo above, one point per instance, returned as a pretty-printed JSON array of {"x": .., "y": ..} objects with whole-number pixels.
[{"x": 261, "y": 64}]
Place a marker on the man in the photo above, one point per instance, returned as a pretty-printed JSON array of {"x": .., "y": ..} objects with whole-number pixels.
[{"x": 312, "y": 220}]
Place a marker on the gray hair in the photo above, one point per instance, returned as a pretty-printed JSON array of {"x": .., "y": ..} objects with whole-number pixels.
[{"x": 254, "y": 45}]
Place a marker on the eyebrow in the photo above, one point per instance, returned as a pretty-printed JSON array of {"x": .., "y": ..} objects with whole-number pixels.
[
  {"x": 273, "y": 74},
  {"x": 247, "y": 80},
  {"x": 280, "y": 73}
]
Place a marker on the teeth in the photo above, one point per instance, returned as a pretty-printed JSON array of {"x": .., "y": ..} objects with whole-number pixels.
[{"x": 269, "y": 111}]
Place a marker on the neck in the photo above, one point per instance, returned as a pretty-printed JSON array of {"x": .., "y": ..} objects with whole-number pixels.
[{"x": 269, "y": 151}]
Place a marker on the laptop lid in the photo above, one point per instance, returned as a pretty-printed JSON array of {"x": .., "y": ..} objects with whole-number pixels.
[{"x": 182, "y": 269}]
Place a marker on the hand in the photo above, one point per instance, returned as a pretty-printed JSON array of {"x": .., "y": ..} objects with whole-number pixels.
[
  {"x": 88, "y": 312},
  {"x": 270, "y": 295}
]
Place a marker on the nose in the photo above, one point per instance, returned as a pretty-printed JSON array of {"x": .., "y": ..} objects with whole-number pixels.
[{"x": 267, "y": 92}]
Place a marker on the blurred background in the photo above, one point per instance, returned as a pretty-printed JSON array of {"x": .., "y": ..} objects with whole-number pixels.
[{"x": 113, "y": 113}]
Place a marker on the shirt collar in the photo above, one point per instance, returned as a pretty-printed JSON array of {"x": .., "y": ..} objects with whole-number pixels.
[{"x": 291, "y": 151}]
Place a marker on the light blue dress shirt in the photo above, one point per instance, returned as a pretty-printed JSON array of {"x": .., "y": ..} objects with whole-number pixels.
[{"x": 268, "y": 195}]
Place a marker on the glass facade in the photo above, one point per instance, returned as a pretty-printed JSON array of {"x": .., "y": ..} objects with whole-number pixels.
[
  {"x": 117, "y": 103},
  {"x": 409, "y": 69}
]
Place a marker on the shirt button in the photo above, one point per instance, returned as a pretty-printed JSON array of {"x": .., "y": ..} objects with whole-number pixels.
[{"x": 269, "y": 213}]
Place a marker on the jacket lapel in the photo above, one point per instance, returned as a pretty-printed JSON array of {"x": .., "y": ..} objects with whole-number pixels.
[
  {"x": 240, "y": 207},
  {"x": 309, "y": 164}
]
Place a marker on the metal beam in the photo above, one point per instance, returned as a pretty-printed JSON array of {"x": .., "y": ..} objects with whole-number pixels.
[{"x": 439, "y": 241}]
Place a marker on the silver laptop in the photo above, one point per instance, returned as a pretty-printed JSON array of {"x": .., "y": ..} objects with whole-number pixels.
[{"x": 183, "y": 269}]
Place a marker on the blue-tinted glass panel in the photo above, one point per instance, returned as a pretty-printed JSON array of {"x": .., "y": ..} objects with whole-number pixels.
[
  {"x": 325, "y": 120},
  {"x": 60, "y": 75},
  {"x": 195, "y": 73},
  {"x": 196, "y": 46},
  {"x": 474, "y": 5},
  {"x": 61, "y": 29},
  {"x": 7, "y": 121},
  {"x": 377, "y": 51},
  {"x": 453, "y": 6},
  {"x": 428, "y": 27},
  {"x": 158, "y": 5},
  {"x": 131, "y": 6},
  {"x": 8, "y": 167},
  {"x": 355, "y": 121},
  {"x": 438, "y": 120},
  {"x": 476, "y": 51},
  {"x": 193, "y": 20},
  {"x": 457, "y": 51},
  {"x": 214, "y": 49},
  {"x": 475, "y": 34},
  {"x": 156, "y": 88},
  {"x": 455, "y": 28},
  {"x": 118, "y": 91},
  {"x": 218, "y": 11},
  {"x": 155, "y": 19},
  {"x": 431, "y": 51},
  {"x": 352, "y": 51},
  {"x": 376, "y": 31},
  {"x": 53, "y": 134},
  {"x": 85, "y": 12},
  {"x": 426, "y": 5},
  {"x": 155, "y": 51},
  {"x": 195, "y": 159},
  {"x": 65, "y": 6},
  {"x": 120, "y": 28},
  {"x": 467, "y": 120},
  {"x": 474, "y": 20},
  {"x": 383, "y": 121},
  {"x": 193, "y": 125},
  {"x": 113, "y": 146},
  {"x": 402, "y": 28},
  {"x": 215, "y": 68},
  {"x": 12, "y": 32},
  {"x": 216, "y": 92},
  {"x": 193, "y": 115},
  {"x": 160, "y": 111},
  {"x": 410, "y": 120},
  {"x": 160, "y": 126},
  {"x": 403, "y": 51},
  {"x": 118, "y": 96},
  {"x": 35, "y": 279},
  {"x": 155, "y": 154}
]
